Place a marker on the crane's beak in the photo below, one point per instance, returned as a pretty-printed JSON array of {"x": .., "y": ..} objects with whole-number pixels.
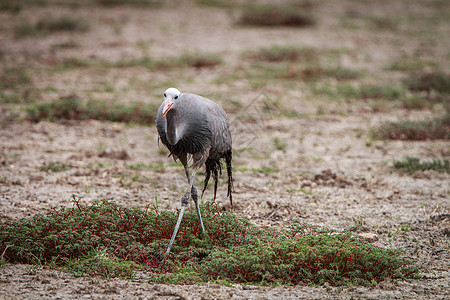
[{"x": 167, "y": 106}]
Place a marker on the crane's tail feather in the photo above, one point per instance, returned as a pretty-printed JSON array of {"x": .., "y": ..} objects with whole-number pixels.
[
  {"x": 214, "y": 167},
  {"x": 228, "y": 157}
]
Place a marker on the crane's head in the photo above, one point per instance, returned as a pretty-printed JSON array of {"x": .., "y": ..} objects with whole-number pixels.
[{"x": 170, "y": 95}]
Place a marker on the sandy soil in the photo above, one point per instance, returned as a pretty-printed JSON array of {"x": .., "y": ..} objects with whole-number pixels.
[{"x": 326, "y": 174}]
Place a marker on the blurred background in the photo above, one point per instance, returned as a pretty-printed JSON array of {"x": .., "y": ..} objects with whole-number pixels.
[
  {"x": 339, "y": 113},
  {"x": 323, "y": 97}
]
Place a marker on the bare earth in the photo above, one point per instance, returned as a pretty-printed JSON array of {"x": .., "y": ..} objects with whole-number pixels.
[{"x": 327, "y": 173}]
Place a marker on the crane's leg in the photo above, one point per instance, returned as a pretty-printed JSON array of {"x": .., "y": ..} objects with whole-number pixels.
[
  {"x": 184, "y": 203},
  {"x": 199, "y": 159},
  {"x": 194, "y": 195}
]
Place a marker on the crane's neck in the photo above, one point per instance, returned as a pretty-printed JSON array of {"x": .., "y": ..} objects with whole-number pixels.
[{"x": 174, "y": 133}]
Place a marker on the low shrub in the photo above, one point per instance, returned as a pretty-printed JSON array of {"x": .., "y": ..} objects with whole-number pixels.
[
  {"x": 433, "y": 81},
  {"x": 431, "y": 129},
  {"x": 410, "y": 165},
  {"x": 73, "y": 108},
  {"x": 276, "y": 15},
  {"x": 109, "y": 240}
]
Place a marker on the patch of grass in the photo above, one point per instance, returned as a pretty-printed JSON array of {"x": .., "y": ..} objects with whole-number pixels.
[
  {"x": 53, "y": 167},
  {"x": 416, "y": 101},
  {"x": 16, "y": 86},
  {"x": 216, "y": 3},
  {"x": 432, "y": 81},
  {"x": 63, "y": 23},
  {"x": 10, "y": 6},
  {"x": 420, "y": 101},
  {"x": 143, "y": 3},
  {"x": 144, "y": 61},
  {"x": 408, "y": 64},
  {"x": 162, "y": 151},
  {"x": 284, "y": 53},
  {"x": 345, "y": 90},
  {"x": 287, "y": 63},
  {"x": 143, "y": 166},
  {"x": 71, "y": 44},
  {"x": 353, "y": 19},
  {"x": 431, "y": 129},
  {"x": 73, "y": 108},
  {"x": 14, "y": 77},
  {"x": 262, "y": 71},
  {"x": 341, "y": 73},
  {"x": 379, "y": 91},
  {"x": 413, "y": 164},
  {"x": 301, "y": 190},
  {"x": 24, "y": 29},
  {"x": 276, "y": 15},
  {"x": 99, "y": 262},
  {"x": 381, "y": 22},
  {"x": 383, "y": 96},
  {"x": 51, "y": 24},
  {"x": 279, "y": 144},
  {"x": 195, "y": 60},
  {"x": 265, "y": 170},
  {"x": 109, "y": 240},
  {"x": 71, "y": 63},
  {"x": 137, "y": 178}
]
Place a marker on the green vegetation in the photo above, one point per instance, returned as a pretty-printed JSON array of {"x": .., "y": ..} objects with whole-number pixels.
[
  {"x": 381, "y": 22},
  {"x": 431, "y": 129},
  {"x": 16, "y": 86},
  {"x": 13, "y": 78},
  {"x": 434, "y": 81},
  {"x": 415, "y": 101},
  {"x": 15, "y": 6},
  {"x": 72, "y": 63},
  {"x": 73, "y": 108},
  {"x": 143, "y": 3},
  {"x": 306, "y": 55},
  {"x": 143, "y": 166},
  {"x": 350, "y": 91},
  {"x": 284, "y": 53},
  {"x": 217, "y": 3},
  {"x": 196, "y": 60},
  {"x": 54, "y": 167},
  {"x": 409, "y": 64},
  {"x": 358, "y": 20},
  {"x": 279, "y": 144},
  {"x": 412, "y": 164},
  {"x": 193, "y": 60},
  {"x": 51, "y": 24},
  {"x": 109, "y": 240},
  {"x": 276, "y": 15},
  {"x": 284, "y": 64},
  {"x": 10, "y": 6}
]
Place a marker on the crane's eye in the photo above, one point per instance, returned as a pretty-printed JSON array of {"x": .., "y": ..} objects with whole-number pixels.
[
  {"x": 165, "y": 95},
  {"x": 176, "y": 97}
]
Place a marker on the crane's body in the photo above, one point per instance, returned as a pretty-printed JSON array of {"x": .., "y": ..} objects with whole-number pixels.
[{"x": 196, "y": 131}]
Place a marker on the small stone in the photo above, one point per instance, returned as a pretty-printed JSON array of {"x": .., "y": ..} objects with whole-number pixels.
[{"x": 369, "y": 236}]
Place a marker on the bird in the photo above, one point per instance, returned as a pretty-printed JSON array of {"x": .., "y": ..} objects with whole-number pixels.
[{"x": 196, "y": 131}]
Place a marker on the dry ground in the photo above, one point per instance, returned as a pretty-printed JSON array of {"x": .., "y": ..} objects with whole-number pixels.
[{"x": 319, "y": 165}]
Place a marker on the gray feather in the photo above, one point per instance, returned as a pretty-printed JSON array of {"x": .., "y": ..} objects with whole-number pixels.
[{"x": 196, "y": 126}]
